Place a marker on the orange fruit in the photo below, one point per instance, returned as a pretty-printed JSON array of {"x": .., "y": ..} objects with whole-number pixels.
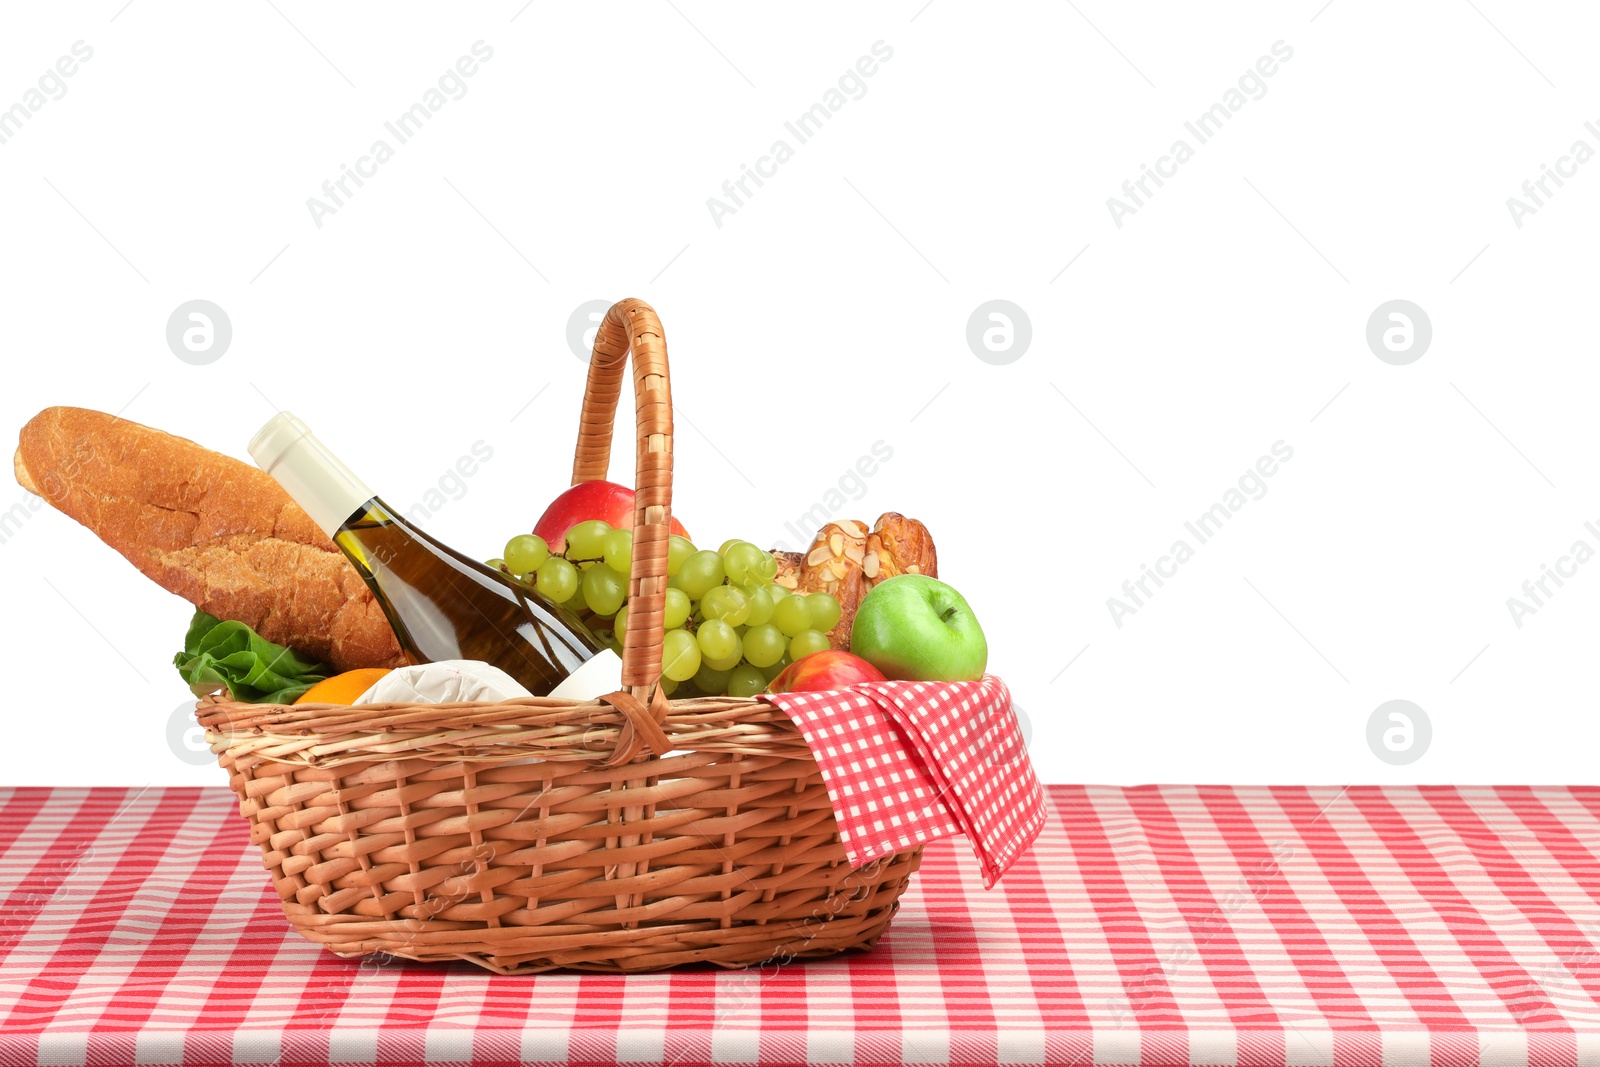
[{"x": 343, "y": 688}]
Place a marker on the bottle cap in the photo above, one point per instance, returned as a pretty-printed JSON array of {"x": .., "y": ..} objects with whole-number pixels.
[{"x": 328, "y": 491}]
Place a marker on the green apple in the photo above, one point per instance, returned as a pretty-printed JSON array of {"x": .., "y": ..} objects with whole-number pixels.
[{"x": 919, "y": 629}]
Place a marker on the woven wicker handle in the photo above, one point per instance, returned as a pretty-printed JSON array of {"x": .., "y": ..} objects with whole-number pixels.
[{"x": 632, "y": 324}]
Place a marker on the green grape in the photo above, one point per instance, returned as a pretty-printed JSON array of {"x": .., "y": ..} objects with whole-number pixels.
[
  {"x": 778, "y": 592},
  {"x": 495, "y": 564},
  {"x": 556, "y": 579},
  {"x": 735, "y": 570},
  {"x": 604, "y": 590},
  {"x": 525, "y": 553},
  {"x": 680, "y": 656},
  {"x": 668, "y": 685},
  {"x": 807, "y": 642},
  {"x": 725, "y": 664},
  {"x": 587, "y": 540},
  {"x": 711, "y": 681},
  {"x": 776, "y": 669},
  {"x": 700, "y": 573},
  {"x": 824, "y": 611},
  {"x": 746, "y": 681},
  {"x": 676, "y": 609},
  {"x": 792, "y": 615},
  {"x": 679, "y": 549},
  {"x": 764, "y": 645},
  {"x": 767, "y": 569},
  {"x": 761, "y": 606},
  {"x": 619, "y": 626},
  {"x": 729, "y": 543},
  {"x": 727, "y": 603},
  {"x": 743, "y": 561},
  {"x": 717, "y": 640},
  {"x": 619, "y": 550},
  {"x": 576, "y": 604}
]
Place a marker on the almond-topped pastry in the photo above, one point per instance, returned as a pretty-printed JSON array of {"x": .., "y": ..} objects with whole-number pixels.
[
  {"x": 899, "y": 545},
  {"x": 790, "y": 566},
  {"x": 833, "y": 565},
  {"x": 846, "y": 561}
]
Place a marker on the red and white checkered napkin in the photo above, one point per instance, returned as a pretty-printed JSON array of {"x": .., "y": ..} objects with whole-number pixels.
[{"x": 907, "y": 762}]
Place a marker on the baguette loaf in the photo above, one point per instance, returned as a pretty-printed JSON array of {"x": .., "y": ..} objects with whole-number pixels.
[{"x": 212, "y": 529}]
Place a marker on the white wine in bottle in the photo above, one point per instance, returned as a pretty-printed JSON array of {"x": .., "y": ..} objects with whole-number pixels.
[{"x": 441, "y": 604}]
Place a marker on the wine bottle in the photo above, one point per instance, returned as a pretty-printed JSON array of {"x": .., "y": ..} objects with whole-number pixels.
[{"x": 441, "y": 604}]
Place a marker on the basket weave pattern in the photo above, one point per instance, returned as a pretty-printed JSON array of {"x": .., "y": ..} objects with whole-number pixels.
[{"x": 629, "y": 833}]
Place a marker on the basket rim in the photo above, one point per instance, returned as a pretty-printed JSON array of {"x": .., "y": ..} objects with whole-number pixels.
[
  {"x": 218, "y": 710},
  {"x": 332, "y": 735},
  {"x": 602, "y": 731}
]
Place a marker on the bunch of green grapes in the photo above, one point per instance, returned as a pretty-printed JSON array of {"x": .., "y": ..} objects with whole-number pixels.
[{"x": 729, "y": 627}]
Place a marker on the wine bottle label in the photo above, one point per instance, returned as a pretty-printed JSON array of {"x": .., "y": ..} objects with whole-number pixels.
[{"x": 600, "y": 675}]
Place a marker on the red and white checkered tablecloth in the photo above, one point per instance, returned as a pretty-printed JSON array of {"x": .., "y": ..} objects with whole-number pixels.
[{"x": 1156, "y": 925}]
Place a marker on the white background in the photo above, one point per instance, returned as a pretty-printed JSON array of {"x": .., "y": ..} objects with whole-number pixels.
[{"x": 829, "y": 312}]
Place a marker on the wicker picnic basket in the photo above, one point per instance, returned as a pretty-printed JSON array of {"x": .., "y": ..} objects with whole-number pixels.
[{"x": 629, "y": 833}]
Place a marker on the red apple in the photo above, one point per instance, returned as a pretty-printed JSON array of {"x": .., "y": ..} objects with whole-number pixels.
[
  {"x": 829, "y": 669},
  {"x": 607, "y": 501}
]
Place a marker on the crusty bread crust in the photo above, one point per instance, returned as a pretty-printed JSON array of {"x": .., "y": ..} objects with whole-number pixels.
[
  {"x": 23, "y": 478},
  {"x": 212, "y": 529}
]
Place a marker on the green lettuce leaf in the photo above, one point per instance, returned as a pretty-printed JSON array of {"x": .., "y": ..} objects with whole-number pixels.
[{"x": 253, "y": 669}]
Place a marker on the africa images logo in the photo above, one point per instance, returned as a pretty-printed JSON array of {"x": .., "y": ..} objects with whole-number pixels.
[
  {"x": 803, "y": 128},
  {"x": 451, "y": 85},
  {"x": 1252, "y": 85}
]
